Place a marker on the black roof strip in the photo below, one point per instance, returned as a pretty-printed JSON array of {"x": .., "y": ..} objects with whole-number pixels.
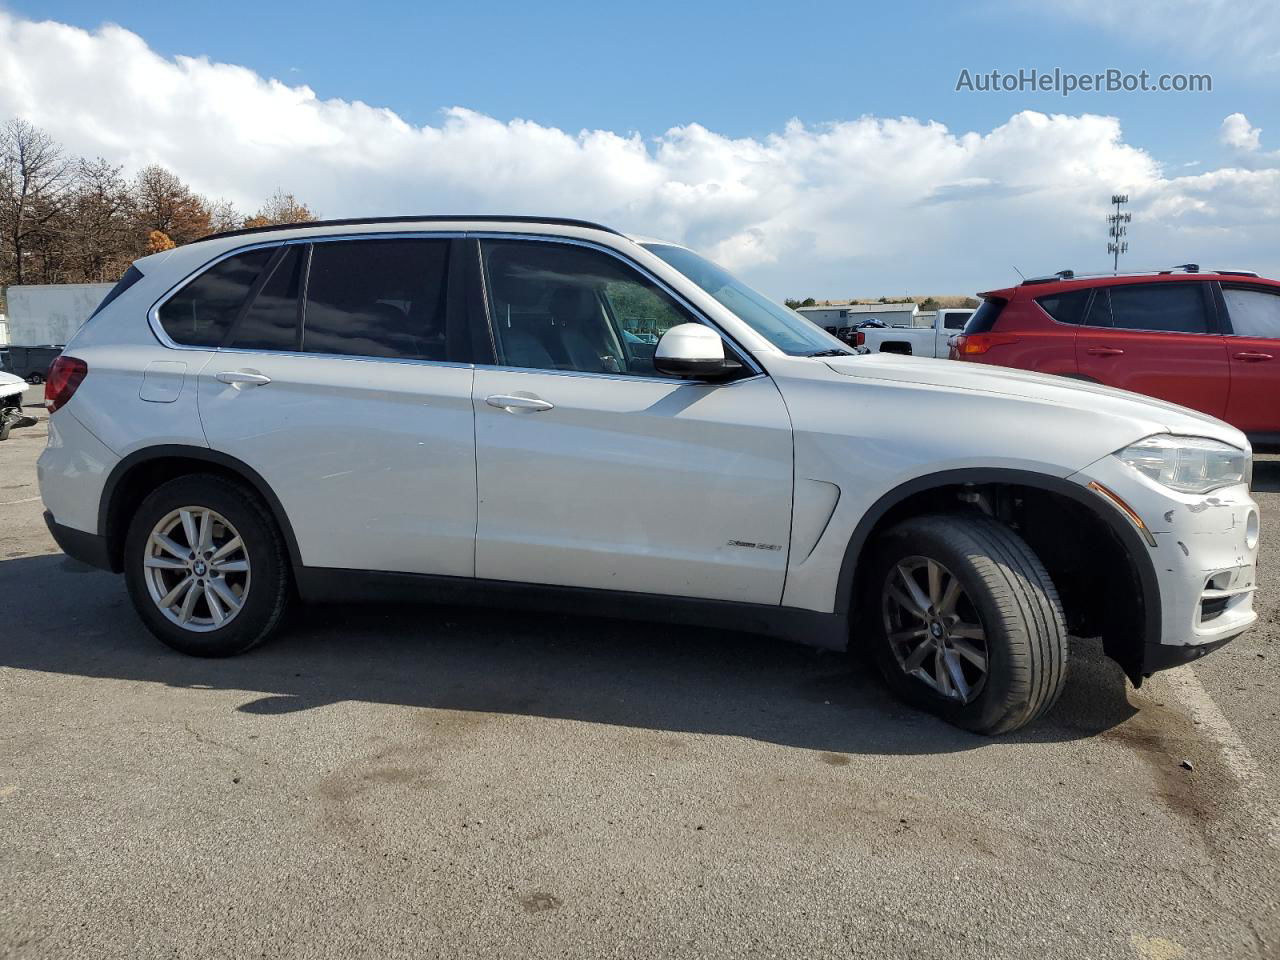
[{"x": 432, "y": 218}]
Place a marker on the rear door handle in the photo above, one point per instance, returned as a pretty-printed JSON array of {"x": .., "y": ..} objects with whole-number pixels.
[
  {"x": 246, "y": 377},
  {"x": 1251, "y": 357},
  {"x": 518, "y": 404},
  {"x": 1104, "y": 351}
]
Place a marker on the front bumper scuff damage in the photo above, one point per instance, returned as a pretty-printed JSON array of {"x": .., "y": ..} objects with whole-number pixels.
[{"x": 1203, "y": 551}]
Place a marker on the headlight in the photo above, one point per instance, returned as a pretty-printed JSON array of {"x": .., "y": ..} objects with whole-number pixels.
[{"x": 1189, "y": 464}]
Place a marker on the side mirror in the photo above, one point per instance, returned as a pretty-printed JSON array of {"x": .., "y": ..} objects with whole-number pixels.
[{"x": 694, "y": 352}]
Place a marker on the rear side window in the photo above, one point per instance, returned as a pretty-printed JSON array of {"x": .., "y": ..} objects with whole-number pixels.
[
  {"x": 201, "y": 313},
  {"x": 1066, "y": 307},
  {"x": 271, "y": 321},
  {"x": 131, "y": 276},
  {"x": 377, "y": 298},
  {"x": 1253, "y": 313},
  {"x": 985, "y": 317},
  {"x": 1165, "y": 307},
  {"x": 955, "y": 321}
]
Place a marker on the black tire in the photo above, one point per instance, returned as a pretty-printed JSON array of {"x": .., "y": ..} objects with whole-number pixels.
[
  {"x": 269, "y": 591},
  {"x": 1007, "y": 587}
]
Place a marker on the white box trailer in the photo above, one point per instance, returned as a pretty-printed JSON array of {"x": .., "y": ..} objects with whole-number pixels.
[{"x": 49, "y": 314}]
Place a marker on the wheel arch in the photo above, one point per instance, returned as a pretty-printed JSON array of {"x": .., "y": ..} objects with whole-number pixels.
[
  {"x": 1124, "y": 637},
  {"x": 143, "y": 470}
]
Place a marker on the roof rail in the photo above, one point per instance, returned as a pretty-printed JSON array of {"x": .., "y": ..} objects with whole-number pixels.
[
  {"x": 428, "y": 218},
  {"x": 1159, "y": 271}
]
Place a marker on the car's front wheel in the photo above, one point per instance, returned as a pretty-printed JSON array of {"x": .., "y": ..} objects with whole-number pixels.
[
  {"x": 965, "y": 621},
  {"x": 206, "y": 566}
]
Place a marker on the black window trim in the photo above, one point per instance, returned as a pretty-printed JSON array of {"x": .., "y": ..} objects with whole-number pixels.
[
  {"x": 1209, "y": 300},
  {"x": 157, "y": 329},
  {"x": 753, "y": 368}
]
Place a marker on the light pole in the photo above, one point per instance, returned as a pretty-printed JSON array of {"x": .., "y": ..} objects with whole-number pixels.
[{"x": 1117, "y": 244}]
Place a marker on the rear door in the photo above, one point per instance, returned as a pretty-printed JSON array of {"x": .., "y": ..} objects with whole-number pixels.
[
  {"x": 594, "y": 471},
  {"x": 339, "y": 383},
  {"x": 1160, "y": 339},
  {"x": 1253, "y": 347}
]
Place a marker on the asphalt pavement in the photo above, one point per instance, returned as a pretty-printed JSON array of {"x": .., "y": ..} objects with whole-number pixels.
[{"x": 437, "y": 781}]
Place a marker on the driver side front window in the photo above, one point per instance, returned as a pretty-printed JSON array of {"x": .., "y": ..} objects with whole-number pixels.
[{"x": 558, "y": 306}]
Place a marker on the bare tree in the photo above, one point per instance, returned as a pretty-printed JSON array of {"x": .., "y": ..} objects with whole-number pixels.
[
  {"x": 34, "y": 184},
  {"x": 97, "y": 223},
  {"x": 163, "y": 202},
  {"x": 281, "y": 207},
  {"x": 223, "y": 216}
]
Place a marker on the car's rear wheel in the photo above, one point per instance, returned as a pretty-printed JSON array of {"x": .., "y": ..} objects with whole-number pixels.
[
  {"x": 206, "y": 566},
  {"x": 965, "y": 622}
]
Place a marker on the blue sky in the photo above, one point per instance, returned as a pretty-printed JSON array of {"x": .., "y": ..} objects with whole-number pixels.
[
  {"x": 741, "y": 68},
  {"x": 675, "y": 120}
]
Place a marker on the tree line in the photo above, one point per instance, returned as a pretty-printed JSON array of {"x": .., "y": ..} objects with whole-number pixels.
[{"x": 68, "y": 219}]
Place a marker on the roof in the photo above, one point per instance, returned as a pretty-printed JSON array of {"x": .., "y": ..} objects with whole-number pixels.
[{"x": 426, "y": 218}]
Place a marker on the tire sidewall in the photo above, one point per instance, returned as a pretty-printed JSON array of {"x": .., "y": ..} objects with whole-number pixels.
[
  {"x": 1001, "y": 687},
  {"x": 262, "y": 545}
]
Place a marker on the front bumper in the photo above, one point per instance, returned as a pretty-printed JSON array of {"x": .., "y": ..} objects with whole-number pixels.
[{"x": 1203, "y": 552}]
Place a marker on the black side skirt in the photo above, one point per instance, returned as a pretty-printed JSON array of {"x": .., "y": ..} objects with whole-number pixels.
[{"x": 331, "y": 585}]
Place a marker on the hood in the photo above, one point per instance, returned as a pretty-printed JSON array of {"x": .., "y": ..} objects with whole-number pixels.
[{"x": 1147, "y": 413}]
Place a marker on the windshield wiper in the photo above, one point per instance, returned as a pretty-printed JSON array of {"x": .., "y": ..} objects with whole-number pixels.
[{"x": 834, "y": 352}]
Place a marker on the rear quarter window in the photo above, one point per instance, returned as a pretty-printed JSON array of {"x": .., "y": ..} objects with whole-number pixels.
[
  {"x": 1068, "y": 307},
  {"x": 201, "y": 313}
]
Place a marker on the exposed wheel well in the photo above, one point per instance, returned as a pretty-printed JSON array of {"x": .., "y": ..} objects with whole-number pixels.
[
  {"x": 137, "y": 476},
  {"x": 1102, "y": 585}
]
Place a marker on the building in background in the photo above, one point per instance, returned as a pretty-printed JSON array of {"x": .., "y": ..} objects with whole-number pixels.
[
  {"x": 840, "y": 316},
  {"x": 49, "y": 314}
]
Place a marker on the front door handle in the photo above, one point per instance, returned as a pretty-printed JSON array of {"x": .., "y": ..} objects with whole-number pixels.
[
  {"x": 245, "y": 377},
  {"x": 1104, "y": 351},
  {"x": 514, "y": 403},
  {"x": 1250, "y": 357}
]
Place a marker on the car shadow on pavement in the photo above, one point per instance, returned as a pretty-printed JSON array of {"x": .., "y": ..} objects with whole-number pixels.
[{"x": 59, "y": 616}]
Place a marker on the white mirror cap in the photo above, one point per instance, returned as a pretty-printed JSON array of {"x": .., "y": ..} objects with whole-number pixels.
[{"x": 690, "y": 341}]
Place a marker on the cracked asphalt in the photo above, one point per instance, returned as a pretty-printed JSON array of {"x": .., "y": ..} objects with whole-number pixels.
[{"x": 476, "y": 783}]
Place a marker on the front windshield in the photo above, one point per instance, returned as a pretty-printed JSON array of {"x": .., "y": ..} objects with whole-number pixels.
[{"x": 785, "y": 329}]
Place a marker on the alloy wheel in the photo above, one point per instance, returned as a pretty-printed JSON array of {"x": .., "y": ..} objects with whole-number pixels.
[
  {"x": 934, "y": 629},
  {"x": 196, "y": 569}
]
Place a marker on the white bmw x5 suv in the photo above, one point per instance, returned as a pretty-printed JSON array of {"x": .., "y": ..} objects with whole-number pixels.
[{"x": 543, "y": 411}]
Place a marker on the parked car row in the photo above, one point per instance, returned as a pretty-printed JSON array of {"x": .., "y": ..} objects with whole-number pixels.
[
  {"x": 1208, "y": 340},
  {"x": 551, "y": 413}
]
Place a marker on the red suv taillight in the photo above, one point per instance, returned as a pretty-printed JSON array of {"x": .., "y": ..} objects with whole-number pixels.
[
  {"x": 971, "y": 344},
  {"x": 65, "y": 375}
]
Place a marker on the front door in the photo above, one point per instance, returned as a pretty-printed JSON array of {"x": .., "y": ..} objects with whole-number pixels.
[
  {"x": 1159, "y": 339},
  {"x": 357, "y": 419},
  {"x": 594, "y": 471}
]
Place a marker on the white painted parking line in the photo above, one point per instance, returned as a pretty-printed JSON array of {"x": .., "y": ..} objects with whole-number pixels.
[
  {"x": 1190, "y": 692},
  {"x": 5, "y": 503}
]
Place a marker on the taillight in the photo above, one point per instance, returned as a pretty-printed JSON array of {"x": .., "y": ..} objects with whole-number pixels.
[
  {"x": 971, "y": 344},
  {"x": 859, "y": 339},
  {"x": 65, "y": 375}
]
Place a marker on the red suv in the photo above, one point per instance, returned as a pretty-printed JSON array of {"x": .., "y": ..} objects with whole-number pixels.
[{"x": 1209, "y": 341}]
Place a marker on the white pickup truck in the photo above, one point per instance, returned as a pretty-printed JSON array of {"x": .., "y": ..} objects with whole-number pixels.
[{"x": 914, "y": 341}]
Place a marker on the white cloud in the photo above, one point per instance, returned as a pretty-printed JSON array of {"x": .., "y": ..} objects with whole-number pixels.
[
  {"x": 866, "y": 206},
  {"x": 1238, "y": 134}
]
